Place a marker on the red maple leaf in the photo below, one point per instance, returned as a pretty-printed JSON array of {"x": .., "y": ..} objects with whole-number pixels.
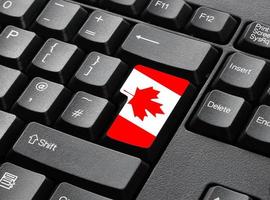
[{"x": 143, "y": 100}]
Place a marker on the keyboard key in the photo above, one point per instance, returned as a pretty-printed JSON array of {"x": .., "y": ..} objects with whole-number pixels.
[
  {"x": 68, "y": 192},
  {"x": 244, "y": 76},
  {"x": 17, "y": 47},
  {"x": 100, "y": 75},
  {"x": 265, "y": 99},
  {"x": 19, "y": 183},
  {"x": 128, "y": 7},
  {"x": 155, "y": 103},
  {"x": 12, "y": 84},
  {"x": 255, "y": 39},
  {"x": 170, "y": 52},
  {"x": 221, "y": 193},
  {"x": 20, "y": 13},
  {"x": 212, "y": 25},
  {"x": 86, "y": 116},
  {"x": 221, "y": 116},
  {"x": 256, "y": 137},
  {"x": 169, "y": 13},
  {"x": 10, "y": 127},
  {"x": 41, "y": 101},
  {"x": 101, "y": 32},
  {"x": 85, "y": 164},
  {"x": 60, "y": 19},
  {"x": 56, "y": 61}
]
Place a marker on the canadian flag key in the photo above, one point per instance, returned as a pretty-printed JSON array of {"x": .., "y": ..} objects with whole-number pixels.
[{"x": 155, "y": 104}]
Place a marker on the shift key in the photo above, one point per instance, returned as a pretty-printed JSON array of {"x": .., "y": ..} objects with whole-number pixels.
[
  {"x": 83, "y": 163},
  {"x": 169, "y": 52}
]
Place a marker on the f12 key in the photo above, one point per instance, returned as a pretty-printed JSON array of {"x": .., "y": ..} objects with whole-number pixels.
[{"x": 212, "y": 25}]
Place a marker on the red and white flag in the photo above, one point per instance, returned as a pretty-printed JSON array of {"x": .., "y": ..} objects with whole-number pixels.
[{"x": 152, "y": 96}]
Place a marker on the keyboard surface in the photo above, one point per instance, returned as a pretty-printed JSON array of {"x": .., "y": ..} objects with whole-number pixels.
[{"x": 134, "y": 99}]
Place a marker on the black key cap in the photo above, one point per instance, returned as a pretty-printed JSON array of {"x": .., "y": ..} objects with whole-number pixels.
[
  {"x": 127, "y": 7},
  {"x": 56, "y": 61},
  {"x": 88, "y": 2},
  {"x": 41, "y": 101},
  {"x": 10, "y": 127},
  {"x": 221, "y": 193},
  {"x": 60, "y": 19},
  {"x": 20, "y": 13},
  {"x": 243, "y": 76},
  {"x": 101, "y": 32},
  {"x": 100, "y": 75},
  {"x": 255, "y": 39},
  {"x": 154, "y": 102},
  {"x": 13, "y": 82},
  {"x": 265, "y": 99},
  {"x": 69, "y": 192},
  {"x": 21, "y": 184},
  {"x": 86, "y": 164},
  {"x": 256, "y": 137},
  {"x": 17, "y": 47},
  {"x": 172, "y": 53},
  {"x": 169, "y": 13},
  {"x": 220, "y": 116},
  {"x": 212, "y": 25},
  {"x": 86, "y": 116}
]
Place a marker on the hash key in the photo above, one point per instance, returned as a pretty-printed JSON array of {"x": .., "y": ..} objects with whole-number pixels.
[
  {"x": 56, "y": 61},
  {"x": 17, "y": 47},
  {"x": 99, "y": 75},
  {"x": 212, "y": 25},
  {"x": 17, "y": 183},
  {"x": 86, "y": 116},
  {"x": 41, "y": 101},
  {"x": 101, "y": 32},
  {"x": 220, "y": 116},
  {"x": 244, "y": 76},
  {"x": 60, "y": 19}
]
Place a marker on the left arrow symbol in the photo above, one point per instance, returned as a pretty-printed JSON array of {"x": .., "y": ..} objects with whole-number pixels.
[{"x": 139, "y": 37}]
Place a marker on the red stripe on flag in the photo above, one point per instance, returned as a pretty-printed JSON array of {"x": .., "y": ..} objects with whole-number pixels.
[
  {"x": 176, "y": 84},
  {"x": 124, "y": 131}
]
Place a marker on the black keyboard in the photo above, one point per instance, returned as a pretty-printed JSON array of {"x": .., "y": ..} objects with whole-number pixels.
[{"x": 134, "y": 99}]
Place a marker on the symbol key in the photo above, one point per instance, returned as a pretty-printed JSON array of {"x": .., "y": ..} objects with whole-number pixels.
[
  {"x": 212, "y": 25},
  {"x": 60, "y": 19},
  {"x": 41, "y": 101},
  {"x": 101, "y": 32},
  {"x": 221, "y": 116},
  {"x": 86, "y": 116},
  {"x": 100, "y": 75},
  {"x": 221, "y": 193},
  {"x": 56, "y": 61},
  {"x": 22, "y": 184}
]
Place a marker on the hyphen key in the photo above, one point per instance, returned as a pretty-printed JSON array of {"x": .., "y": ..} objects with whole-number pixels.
[
  {"x": 71, "y": 159},
  {"x": 168, "y": 52}
]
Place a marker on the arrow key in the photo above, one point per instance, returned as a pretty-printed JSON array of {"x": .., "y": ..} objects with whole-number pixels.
[{"x": 221, "y": 193}]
